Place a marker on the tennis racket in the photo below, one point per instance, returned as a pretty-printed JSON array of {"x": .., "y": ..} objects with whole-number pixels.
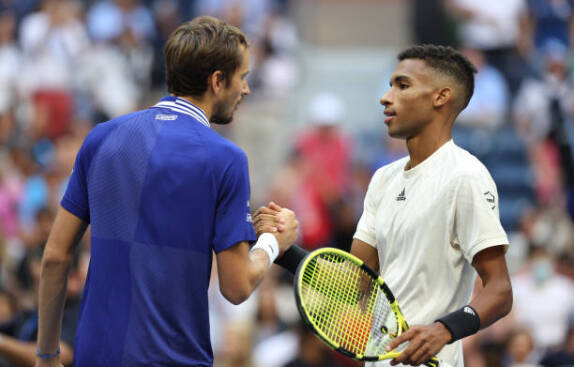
[{"x": 349, "y": 306}]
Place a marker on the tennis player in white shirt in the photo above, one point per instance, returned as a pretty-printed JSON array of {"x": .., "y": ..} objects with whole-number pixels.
[{"x": 431, "y": 221}]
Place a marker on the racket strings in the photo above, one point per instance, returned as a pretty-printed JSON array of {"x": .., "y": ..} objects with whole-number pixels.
[{"x": 347, "y": 305}]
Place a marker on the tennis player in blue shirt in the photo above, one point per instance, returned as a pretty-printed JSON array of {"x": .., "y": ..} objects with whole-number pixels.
[{"x": 162, "y": 192}]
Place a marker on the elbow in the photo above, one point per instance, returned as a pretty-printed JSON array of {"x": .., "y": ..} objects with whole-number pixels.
[
  {"x": 52, "y": 260},
  {"x": 507, "y": 297},
  {"x": 235, "y": 294}
]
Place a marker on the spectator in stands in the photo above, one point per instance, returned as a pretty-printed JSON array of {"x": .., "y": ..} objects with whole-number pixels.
[
  {"x": 488, "y": 107},
  {"x": 564, "y": 356},
  {"x": 537, "y": 281},
  {"x": 9, "y": 71},
  {"x": 312, "y": 351},
  {"x": 326, "y": 150},
  {"x": 493, "y": 26},
  {"x": 543, "y": 21},
  {"x": 520, "y": 349},
  {"x": 18, "y": 335},
  {"x": 52, "y": 40}
]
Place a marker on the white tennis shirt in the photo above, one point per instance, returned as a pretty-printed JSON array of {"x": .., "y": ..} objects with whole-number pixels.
[{"x": 427, "y": 223}]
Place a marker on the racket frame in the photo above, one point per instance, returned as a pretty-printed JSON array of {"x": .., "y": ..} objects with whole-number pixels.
[{"x": 401, "y": 323}]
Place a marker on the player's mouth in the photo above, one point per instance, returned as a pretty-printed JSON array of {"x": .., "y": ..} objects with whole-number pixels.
[{"x": 390, "y": 114}]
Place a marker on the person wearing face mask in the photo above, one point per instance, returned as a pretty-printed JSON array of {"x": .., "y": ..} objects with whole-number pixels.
[{"x": 539, "y": 283}]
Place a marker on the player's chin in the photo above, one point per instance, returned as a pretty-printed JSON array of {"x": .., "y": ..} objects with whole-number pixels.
[
  {"x": 395, "y": 133},
  {"x": 222, "y": 120}
]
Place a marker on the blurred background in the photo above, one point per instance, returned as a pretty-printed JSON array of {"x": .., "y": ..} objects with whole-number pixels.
[{"x": 314, "y": 134}]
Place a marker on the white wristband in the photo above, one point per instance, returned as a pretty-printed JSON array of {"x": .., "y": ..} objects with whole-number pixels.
[{"x": 268, "y": 243}]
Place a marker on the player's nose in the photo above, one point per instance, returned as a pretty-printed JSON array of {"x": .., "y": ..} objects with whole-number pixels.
[{"x": 386, "y": 99}]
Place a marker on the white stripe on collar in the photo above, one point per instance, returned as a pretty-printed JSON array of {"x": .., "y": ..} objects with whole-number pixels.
[{"x": 182, "y": 106}]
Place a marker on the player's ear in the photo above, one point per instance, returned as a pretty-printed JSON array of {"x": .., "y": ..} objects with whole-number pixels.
[
  {"x": 442, "y": 97},
  {"x": 216, "y": 82}
]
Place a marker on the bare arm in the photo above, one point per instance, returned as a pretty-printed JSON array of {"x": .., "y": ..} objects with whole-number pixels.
[
  {"x": 367, "y": 253},
  {"x": 493, "y": 302},
  {"x": 240, "y": 271},
  {"x": 62, "y": 242},
  {"x": 21, "y": 353}
]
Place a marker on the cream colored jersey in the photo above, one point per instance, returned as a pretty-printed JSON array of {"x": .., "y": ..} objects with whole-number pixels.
[{"x": 427, "y": 223}]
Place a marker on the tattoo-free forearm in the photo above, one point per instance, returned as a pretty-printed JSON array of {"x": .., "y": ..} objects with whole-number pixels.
[{"x": 53, "y": 283}]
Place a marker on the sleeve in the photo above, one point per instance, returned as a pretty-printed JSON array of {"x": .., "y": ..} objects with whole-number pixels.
[
  {"x": 366, "y": 226},
  {"x": 233, "y": 221},
  {"x": 477, "y": 223},
  {"x": 75, "y": 198}
]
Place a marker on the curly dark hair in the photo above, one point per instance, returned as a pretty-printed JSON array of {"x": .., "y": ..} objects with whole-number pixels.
[
  {"x": 448, "y": 61},
  {"x": 198, "y": 48}
]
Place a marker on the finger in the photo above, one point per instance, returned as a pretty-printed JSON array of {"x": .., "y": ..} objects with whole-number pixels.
[
  {"x": 406, "y": 356},
  {"x": 265, "y": 210},
  {"x": 399, "y": 340},
  {"x": 267, "y": 219},
  {"x": 266, "y": 229},
  {"x": 274, "y": 206},
  {"x": 420, "y": 355}
]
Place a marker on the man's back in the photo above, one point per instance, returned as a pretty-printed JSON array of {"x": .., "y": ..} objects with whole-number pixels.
[{"x": 163, "y": 191}]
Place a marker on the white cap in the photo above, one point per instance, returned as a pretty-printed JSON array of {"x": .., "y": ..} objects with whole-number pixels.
[{"x": 326, "y": 109}]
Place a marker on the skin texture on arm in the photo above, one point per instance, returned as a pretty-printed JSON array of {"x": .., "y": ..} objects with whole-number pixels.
[
  {"x": 493, "y": 302},
  {"x": 65, "y": 235},
  {"x": 367, "y": 253},
  {"x": 240, "y": 271},
  {"x": 21, "y": 353}
]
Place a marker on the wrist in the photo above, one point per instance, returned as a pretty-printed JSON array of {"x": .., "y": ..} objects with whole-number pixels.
[
  {"x": 43, "y": 355},
  {"x": 461, "y": 323},
  {"x": 268, "y": 243},
  {"x": 443, "y": 332}
]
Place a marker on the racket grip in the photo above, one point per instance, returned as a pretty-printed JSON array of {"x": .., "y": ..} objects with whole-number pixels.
[
  {"x": 291, "y": 258},
  {"x": 433, "y": 362}
]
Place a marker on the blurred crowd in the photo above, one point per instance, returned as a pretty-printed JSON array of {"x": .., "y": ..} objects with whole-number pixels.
[{"x": 66, "y": 65}]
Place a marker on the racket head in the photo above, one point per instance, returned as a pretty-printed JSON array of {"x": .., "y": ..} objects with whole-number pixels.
[{"x": 347, "y": 305}]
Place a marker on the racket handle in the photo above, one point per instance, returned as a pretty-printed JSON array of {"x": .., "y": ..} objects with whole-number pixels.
[
  {"x": 291, "y": 258},
  {"x": 433, "y": 362}
]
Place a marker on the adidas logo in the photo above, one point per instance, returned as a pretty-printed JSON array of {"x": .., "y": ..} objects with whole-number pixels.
[
  {"x": 469, "y": 310},
  {"x": 401, "y": 196}
]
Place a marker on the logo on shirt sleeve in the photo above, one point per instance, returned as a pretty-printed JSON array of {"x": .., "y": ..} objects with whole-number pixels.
[
  {"x": 249, "y": 218},
  {"x": 491, "y": 199}
]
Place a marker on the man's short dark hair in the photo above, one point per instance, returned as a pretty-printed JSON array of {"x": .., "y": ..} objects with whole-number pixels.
[
  {"x": 198, "y": 48},
  {"x": 448, "y": 61}
]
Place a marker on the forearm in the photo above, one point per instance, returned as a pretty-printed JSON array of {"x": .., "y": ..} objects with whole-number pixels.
[
  {"x": 21, "y": 353},
  {"x": 241, "y": 269},
  {"x": 257, "y": 267},
  {"x": 493, "y": 302},
  {"x": 52, "y": 295}
]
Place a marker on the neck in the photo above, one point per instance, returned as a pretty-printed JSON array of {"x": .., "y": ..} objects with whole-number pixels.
[
  {"x": 428, "y": 141},
  {"x": 201, "y": 103}
]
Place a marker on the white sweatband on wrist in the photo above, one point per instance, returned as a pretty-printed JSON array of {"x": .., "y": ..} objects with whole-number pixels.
[{"x": 268, "y": 243}]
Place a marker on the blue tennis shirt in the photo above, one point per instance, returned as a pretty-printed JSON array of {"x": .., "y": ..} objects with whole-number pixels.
[{"x": 161, "y": 191}]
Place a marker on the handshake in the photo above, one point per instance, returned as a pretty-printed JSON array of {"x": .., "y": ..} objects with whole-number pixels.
[{"x": 281, "y": 222}]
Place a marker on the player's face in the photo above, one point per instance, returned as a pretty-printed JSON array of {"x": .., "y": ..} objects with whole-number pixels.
[
  {"x": 408, "y": 104},
  {"x": 233, "y": 94}
]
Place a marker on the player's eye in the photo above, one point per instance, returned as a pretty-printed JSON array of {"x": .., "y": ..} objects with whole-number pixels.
[{"x": 403, "y": 85}]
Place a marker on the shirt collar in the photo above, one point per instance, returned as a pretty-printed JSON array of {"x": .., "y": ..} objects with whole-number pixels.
[{"x": 180, "y": 105}]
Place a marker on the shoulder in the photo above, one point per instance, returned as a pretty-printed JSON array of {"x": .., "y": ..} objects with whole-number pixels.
[
  {"x": 102, "y": 131},
  {"x": 462, "y": 166},
  {"x": 222, "y": 147}
]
